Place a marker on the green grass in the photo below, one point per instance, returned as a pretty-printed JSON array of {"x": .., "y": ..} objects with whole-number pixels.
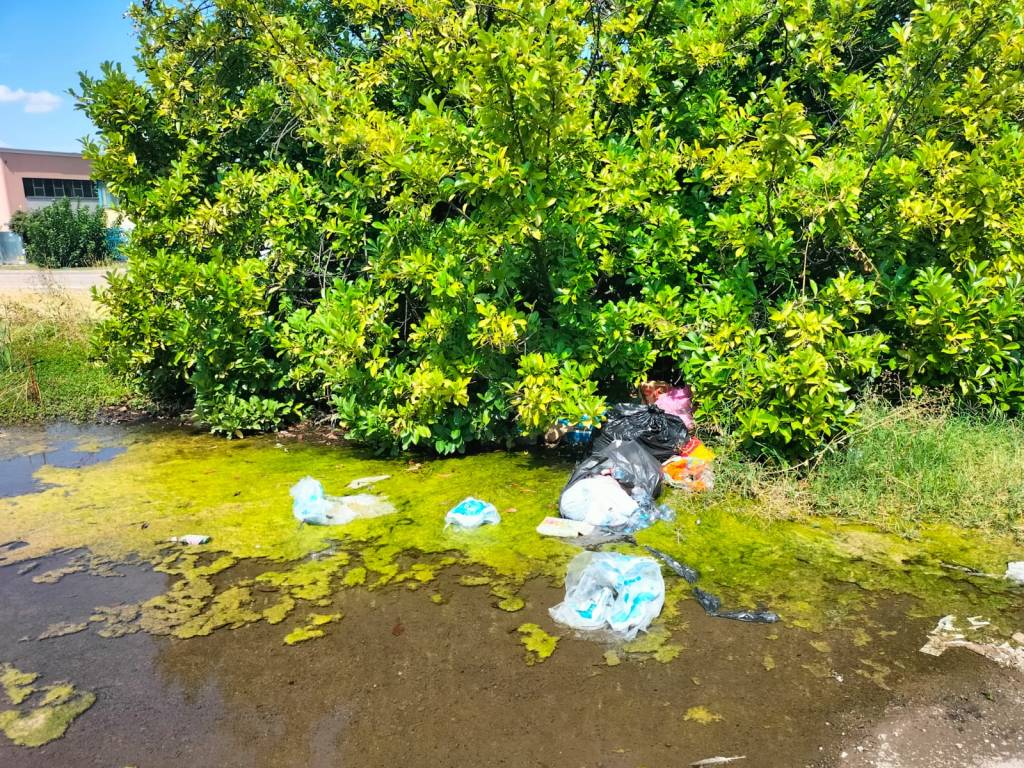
[
  {"x": 920, "y": 462},
  {"x": 46, "y": 373}
]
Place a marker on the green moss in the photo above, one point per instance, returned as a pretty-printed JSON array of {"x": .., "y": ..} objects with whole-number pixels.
[
  {"x": 63, "y": 628},
  {"x": 302, "y": 634},
  {"x": 312, "y": 630},
  {"x": 655, "y": 644},
  {"x": 538, "y": 643},
  {"x": 702, "y": 715},
  {"x": 237, "y": 493},
  {"x": 17, "y": 685},
  {"x": 611, "y": 658},
  {"x": 56, "y": 708}
]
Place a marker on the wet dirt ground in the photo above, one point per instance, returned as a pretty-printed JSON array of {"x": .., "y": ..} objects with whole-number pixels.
[{"x": 406, "y": 678}]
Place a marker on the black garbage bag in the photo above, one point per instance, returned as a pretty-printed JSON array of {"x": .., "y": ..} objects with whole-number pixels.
[
  {"x": 663, "y": 434},
  {"x": 629, "y": 462}
]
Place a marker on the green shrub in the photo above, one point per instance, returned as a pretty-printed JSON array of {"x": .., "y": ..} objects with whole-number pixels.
[
  {"x": 60, "y": 235},
  {"x": 452, "y": 223}
]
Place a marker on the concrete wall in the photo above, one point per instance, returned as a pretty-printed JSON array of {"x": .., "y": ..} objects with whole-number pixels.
[{"x": 16, "y": 164}]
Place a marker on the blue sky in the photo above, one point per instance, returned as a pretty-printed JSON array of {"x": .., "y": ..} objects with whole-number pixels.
[{"x": 43, "y": 46}]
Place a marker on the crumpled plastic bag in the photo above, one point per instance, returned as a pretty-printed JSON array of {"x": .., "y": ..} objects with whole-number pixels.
[
  {"x": 613, "y": 591},
  {"x": 662, "y": 434},
  {"x": 311, "y": 505},
  {"x": 471, "y": 513},
  {"x": 598, "y": 500}
]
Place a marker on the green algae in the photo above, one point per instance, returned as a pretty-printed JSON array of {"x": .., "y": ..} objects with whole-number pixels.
[
  {"x": 63, "y": 628},
  {"x": 701, "y": 715},
  {"x": 611, "y": 658},
  {"x": 768, "y": 662},
  {"x": 538, "y": 643},
  {"x": 655, "y": 644},
  {"x": 17, "y": 685},
  {"x": 116, "y": 620},
  {"x": 56, "y": 707},
  {"x": 237, "y": 493},
  {"x": 312, "y": 629}
]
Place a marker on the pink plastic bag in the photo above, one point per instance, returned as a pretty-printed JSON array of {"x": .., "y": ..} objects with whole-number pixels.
[{"x": 678, "y": 401}]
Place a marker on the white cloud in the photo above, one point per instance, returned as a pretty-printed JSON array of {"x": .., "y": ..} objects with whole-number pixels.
[{"x": 34, "y": 101}]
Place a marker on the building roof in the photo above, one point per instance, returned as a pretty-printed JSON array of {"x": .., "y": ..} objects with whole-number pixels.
[{"x": 12, "y": 151}]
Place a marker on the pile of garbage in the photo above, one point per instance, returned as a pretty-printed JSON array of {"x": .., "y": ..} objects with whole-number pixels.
[{"x": 612, "y": 493}]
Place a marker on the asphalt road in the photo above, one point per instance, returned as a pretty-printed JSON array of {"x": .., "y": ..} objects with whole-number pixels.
[{"x": 14, "y": 280}]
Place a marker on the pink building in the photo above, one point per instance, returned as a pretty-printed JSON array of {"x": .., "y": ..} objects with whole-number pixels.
[{"x": 31, "y": 179}]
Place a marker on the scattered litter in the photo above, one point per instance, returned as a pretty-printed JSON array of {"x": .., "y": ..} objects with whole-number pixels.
[
  {"x": 690, "y": 575},
  {"x": 712, "y": 606},
  {"x": 717, "y": 760},
  {"x": 191, "y": 539},
  {"x": 946, "y": 635},
  {"x": 662, "y": 434},
  {"x": 610, "y": 590},
  {"x": 311, "y": 506},
  {"x": 597, "y": 501},
  {"x": 363, "y": 482},
  {"x": 471, "y": 513},
  {"x": 564, "y": 528},
  {"x": 1015, "y": 571}
]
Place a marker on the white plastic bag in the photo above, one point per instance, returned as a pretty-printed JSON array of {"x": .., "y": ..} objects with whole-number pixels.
[
  {"x": 610, "y": 590},
  {"x": 598, "y": 500},
  {"x": 471, "y": 513},
  {"x": 311, "y": 506}
]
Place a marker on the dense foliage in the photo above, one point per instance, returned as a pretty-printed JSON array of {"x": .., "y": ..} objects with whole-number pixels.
[
  {"x": 62, "y": 235},
  {"x": 454, "y": 221}
]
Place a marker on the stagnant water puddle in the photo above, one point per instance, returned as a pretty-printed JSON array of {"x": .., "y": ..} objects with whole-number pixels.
[{"x": 394, "y": 642}]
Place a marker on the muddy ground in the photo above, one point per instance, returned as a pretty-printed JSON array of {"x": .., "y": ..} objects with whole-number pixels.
[{"x": 404, "y": 681}]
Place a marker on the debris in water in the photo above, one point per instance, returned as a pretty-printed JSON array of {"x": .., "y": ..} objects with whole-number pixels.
[
  {"x": 191, "y": 539},
  {"x": 946, "y": 635},
  {"x": 363, "y": 482},
  {"x": 311, "y": 505},
  {"x": 1015, "y": 571},
  {"x": 471, "y": 513},
  {"x": 690, "y": 575},
  {"x": 610, "y": 590},
  {"x": 564, "y": 528},
  {"x": 713, "y": 607},
  {"x": 717, "y": 760}
]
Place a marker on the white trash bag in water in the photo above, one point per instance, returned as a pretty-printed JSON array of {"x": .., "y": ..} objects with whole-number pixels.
[
  {"x": 310, "y": 505},
  {"x": 598, "y": 500},
  {"x": 609, "y": 590}
]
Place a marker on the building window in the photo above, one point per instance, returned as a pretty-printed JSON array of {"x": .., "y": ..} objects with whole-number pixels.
[{"x": 77, "y": 188}]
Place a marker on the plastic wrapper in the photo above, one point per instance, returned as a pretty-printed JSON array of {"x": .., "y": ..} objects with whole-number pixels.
[
  {"x": 471, "y": 513},
  {"x": 611, "y": 591}
]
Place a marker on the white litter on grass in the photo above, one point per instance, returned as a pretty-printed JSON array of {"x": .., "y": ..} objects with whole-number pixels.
[
  {"x": 363, "y": 482},
  {"x": 1015, "y": 571},
  {"x": 946, "y": 635},
  {"x": 564, "y": 528}
]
